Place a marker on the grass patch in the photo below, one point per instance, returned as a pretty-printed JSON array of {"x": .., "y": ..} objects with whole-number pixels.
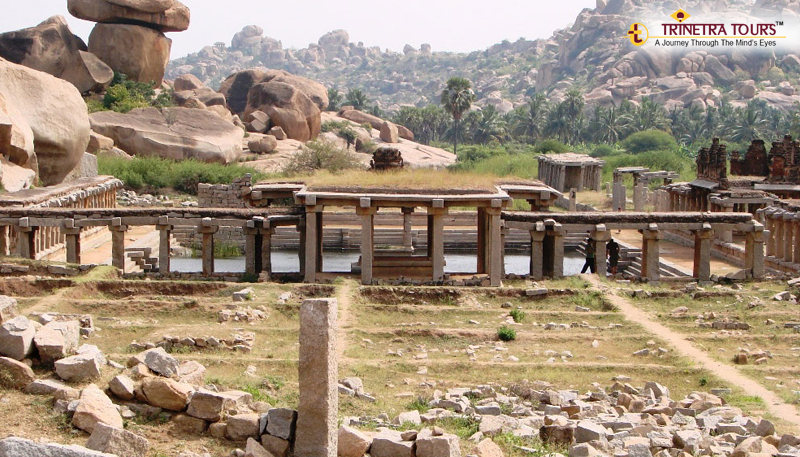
[
  {"x": 518, "y": 315},
  {"x": 426, "y": 179},
  {"x": 155, "y": 174},
  {"x": 506, "y": 333},
  {"x": 222, "y": 250}
]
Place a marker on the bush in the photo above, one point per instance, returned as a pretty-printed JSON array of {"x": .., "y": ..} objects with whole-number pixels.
[
  {"x": 518, "y": 315},
  {"x": 333, "y": 126},
  {"x": 155, "y": 173},
  {"x": 649, "y": 140},
  {"x": 506, "y": 333},
  {"x": 553, "y": 146},
  {"x": 524, "y": 166},
  {"x": 603, "y": 150},
  {"x": 321, "y": 155},
  {"x": 124, "y": 95}
]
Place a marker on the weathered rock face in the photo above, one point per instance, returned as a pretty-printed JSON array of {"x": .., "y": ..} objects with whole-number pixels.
[
  {"x": 15, "y": 374},
  {"x": 16, "y": 338},
  {"x": 54, "y": 113},
  {"x": 24, "y": 448},
  {"x": 174, "y": 19},
  {"x": 8, "y": 308},
  {"x": 287, "y": 107},
  {"x": 51, "y": 47},
  {"x": 175, "y": 133},
  {"x": 95, "y": 407},
  {"x": 389, "y": 133},
  {"x": 15, "y": 178},
  {"x": 292, "y": 102},
  {"x": 139, "y": 52}
]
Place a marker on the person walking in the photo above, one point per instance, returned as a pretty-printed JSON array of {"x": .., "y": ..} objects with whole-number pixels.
[
  {"x": 612, "y": 252},
  {"x": 590, "y": 257}
]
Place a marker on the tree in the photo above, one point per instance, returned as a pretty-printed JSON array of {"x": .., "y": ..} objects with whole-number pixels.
[
  {"x": 357, "y": 99},
  {"x": 528, "y": 120},
  {"x": 457, "y": 98},
  {"x": 334, "y": 99},
  {"x": 609, "y": 125},
  {"x": 487, "y": 125}
]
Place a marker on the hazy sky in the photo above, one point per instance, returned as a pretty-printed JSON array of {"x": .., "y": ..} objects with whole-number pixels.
[{"x": 448, "y": 25}]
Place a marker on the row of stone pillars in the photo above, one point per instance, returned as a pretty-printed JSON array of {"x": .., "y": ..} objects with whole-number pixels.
[{"x": 783, "y": 243}]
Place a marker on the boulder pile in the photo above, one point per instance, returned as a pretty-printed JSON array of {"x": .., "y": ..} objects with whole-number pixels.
[
  {"x": 129, "y": 36},
  {"x": 242, "y": 342}
]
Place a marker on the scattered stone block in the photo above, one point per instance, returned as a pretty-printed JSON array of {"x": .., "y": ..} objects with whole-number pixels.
[
  {"x": 122, "y": 443},
  {"x": 281, "y": 423},
  {"x": 122, "y": 387},
  {"x": 16, "y": 338},
  {"x": 165, "y": 393},
  {"x": 189, "y": 424},
  {"x": 243, "y": 426},
  {"x": 352, "y": 442},
  {"x": 210, "y": 406},
  {"x": 19, "y": 447},
  {"x": 57, "y": 340},
  {"x": 162, "y": 363},
  {"x": 8, "y": 308},
  {"x": 95, "y": 407},
  {"x": 15, "y": 374}
]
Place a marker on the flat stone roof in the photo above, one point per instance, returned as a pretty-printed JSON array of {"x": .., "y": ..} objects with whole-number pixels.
[
  {"x": 628, "y": 217},
  {"x": 571, "y": 159},
  {"x": 104, "y": 213}
]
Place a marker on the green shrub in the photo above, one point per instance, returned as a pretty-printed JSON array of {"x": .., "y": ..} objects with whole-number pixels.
[
  {"x": 551, "y": 146},
  {"x": 321, "y": 154},
  {"x": 124, "y": 95},
  {"x": 776, "y": 75},
  {"x": 506, "y": 333},
  {"x": 155, "y": 173},
  {"x": 518, "y": 315},
  {"x": 604, "y": 150},
  {"x": 333, "y": 126},
  {"x": 649, "y": 140}
]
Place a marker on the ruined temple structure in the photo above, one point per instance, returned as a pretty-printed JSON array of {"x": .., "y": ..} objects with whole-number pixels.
[
  {"x": 570, "y": 171},
  {"x": 385, "y": 158},
  {"x": 754, "y": 163},
  {"x": 784, "y": 163},
  {"x": 712, "y": 166}
]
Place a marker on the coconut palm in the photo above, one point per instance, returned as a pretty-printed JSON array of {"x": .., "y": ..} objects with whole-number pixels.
[
  {"x": 747, "y": 125},
  {"x": 487, "y": 125},
  {"x": 609, "y": 125},
  {"x": 334, "y": 99},
  {"x": 457, "y": 99},
  {"x": 649, "y": 115},
  {"x": 357, "y": 99},
  {"x": 528, "y": 121}
]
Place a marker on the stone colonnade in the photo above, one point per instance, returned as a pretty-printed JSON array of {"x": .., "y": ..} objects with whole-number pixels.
[
  {"x": 783, "y": 242},
  {"x": 554, "y": 172}
]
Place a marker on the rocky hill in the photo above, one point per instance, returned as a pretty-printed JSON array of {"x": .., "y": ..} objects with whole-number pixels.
[{"x": 589, "y": 55}]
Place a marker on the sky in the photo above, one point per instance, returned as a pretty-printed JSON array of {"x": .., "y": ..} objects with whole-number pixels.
[{"x": 448, "y": 25}]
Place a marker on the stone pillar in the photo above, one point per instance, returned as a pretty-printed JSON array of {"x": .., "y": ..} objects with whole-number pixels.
[
  {"x": 779, "y": 234},
  {"x": 5, "y": 241},
  {"x": 651, "y": 254},
  {"x": 495, "y": 243},
  {"x": 252, "y": 248},
  {"x": 619, "y": 198},
  {"x": 562, "y": 178},
  {"x": 165, "y": 244},
  {"x": 208, "y": 230},
  {"x": 638, "y": 204},
  {"x": 118, "y": 243},
  {"x": 367, "y": 215},
  {"x": 573, "y": 200},
  {"x": 437, "y": 214},
  {"x": 601, "y": 237},
  {"x": 408, "y": 244},
  {"x": 553, "y": 250},
  {"x": 537, "y": 252},
  {"x": 266, "y": 250},
  {"x": 483, "y": 247},
  {"x": 312, "y": 243},
  {"x": 702, "y": 253},
  {"x": 754, "y": 252},
  {"x": 301, "y": 251},
  {"x": 726, "y": 236},
  {"x": 73, "y": 241},
  {"x": 26, "y": 239},
  {"x": 769, "y": 223},
  {"x": 317, "y": 422},
  {"x": 788, "y": 236},
  {"x": 796, "y": 236}
]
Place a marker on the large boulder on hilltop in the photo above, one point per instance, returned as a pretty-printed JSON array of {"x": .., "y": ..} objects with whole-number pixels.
[
  {"x": 145, "y": 6},
  {"x": 361, "y": 117},
  {"x": 139, "y": 52},
  {"x": 236, "y": 87},
  {"x": 287, "y": 107},
  {"x": 188, "y": 82},
  {"x": 173, "y": 19},
  {"x": 333, "y": 42},
  {"x": 51, "y": 47},
  {"x": 55, "y": 113},
  {"x": 174, "y": 133}
]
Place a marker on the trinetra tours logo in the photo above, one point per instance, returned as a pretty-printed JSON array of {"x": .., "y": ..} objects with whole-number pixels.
[{"x": 679, "y": 32}]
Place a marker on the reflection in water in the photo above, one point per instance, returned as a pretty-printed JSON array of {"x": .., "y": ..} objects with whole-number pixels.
[{"x": 288, "y": 261}]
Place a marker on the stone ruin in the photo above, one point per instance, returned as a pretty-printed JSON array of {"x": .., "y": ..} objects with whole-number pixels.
[
  {"x": 784, "y": 161},
  {"x": 712, "y": 164},
  {"x": 754, "y": 163},
  {"x": 386, "y": 159}
]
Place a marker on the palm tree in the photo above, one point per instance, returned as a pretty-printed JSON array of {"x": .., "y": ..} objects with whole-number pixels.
[
  {"x": 357, "y": 99},
  {"x": 747, "y": 125},
  {"x": 528, "y": 120},
  {"x": 609, "y": 124},
  {"x": 334, "y": 99},
  {"x": 487, "y": 126},
  {"x": 650, "y": 116},
  {"x": 457, "y": 98},
  {"x": 558, "y": 124}
]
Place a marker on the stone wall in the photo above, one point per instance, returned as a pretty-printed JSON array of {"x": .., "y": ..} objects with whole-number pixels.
[{"x": 225, "y": 195}]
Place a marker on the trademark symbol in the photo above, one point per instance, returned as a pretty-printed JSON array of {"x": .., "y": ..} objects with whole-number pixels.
[{"x": 778, "y": 22}]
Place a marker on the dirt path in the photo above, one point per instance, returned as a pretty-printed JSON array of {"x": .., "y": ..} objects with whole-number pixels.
[
  {"x": 730, "y": 373},
  {"x": 344, "y": 297}
]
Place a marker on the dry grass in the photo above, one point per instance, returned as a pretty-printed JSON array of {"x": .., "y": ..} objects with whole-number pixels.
[{"x": 423, "y": 179}]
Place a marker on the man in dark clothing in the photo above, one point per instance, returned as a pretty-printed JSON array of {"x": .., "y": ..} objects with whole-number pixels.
[
  {"x": 590, "y": 254},
  {"x": 612, "y": 251}
]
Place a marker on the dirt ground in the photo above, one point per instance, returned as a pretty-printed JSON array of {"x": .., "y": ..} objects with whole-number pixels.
[{"x": 405, "y": 344}]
